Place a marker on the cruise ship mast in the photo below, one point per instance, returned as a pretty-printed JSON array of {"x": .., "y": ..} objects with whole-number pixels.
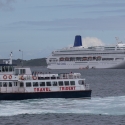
[{"x": 118, "y": 41}]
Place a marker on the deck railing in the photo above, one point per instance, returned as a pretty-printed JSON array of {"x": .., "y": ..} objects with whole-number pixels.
[
  {"x": 87, "y": 86},
  {"x": 44, "y": 77}
]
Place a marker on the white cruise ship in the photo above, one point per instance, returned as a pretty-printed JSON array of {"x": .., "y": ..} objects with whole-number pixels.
[{"x": 78, "y": 57}]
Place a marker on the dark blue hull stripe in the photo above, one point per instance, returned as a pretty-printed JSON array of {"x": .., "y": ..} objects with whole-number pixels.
[{"x": 64, "y": 94}]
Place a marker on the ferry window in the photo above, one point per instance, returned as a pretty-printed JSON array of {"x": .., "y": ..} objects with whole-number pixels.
[
  {"x": 53, "y": 77},
  {"x": 72, "y": 82},
  {"x": 6, "y": 68},
  {"x": 42, "y": 83},
  {"x": 21, "y": 84},
  {"x": 54, "y": 83},
  {"x": 81, "y": 82},
  {"x": 47, "y": 77},
  {"x": 66, "y": 83},
  {"x": 28, "y": 84},
  {"x": 4, "y": 84},
  {"x": 10, "y": 68},
  {"x": 3, "y": 68},
  {"x": 41, "y": 78},
  {"x": 0, "y": 84},
  {"x": 16, "y": 71},
  {"x": 15, "y": 83},
  {"x": 60, "y": 83},
  {"x": 35, "y": 83},
  {"x": 48, "y": 83},
  {"x": 10, "y": 84},
  {"x": 58, "y": 77},
  {"x": 0, "y": 68},
  {"x": 22, "y": 71}
]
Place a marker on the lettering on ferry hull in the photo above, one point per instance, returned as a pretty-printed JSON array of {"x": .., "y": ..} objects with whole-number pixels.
[
  {"x": 67, "y": 88},
  {"x": 42, "y": 90}
]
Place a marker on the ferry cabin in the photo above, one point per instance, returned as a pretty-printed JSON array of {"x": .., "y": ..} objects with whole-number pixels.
[{"x": 7, "y": 68}]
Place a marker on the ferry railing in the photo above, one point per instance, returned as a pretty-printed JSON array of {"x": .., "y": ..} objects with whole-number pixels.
[
  {"x": 87, "y": 86},
  {"x": 41, "y": 77},
  {"x": 69, "y": 76}
]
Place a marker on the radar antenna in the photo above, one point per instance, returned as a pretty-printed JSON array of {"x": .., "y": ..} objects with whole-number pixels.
[
  {"x": 117, "y": 39},
  {"x": 10, "y": 61}
]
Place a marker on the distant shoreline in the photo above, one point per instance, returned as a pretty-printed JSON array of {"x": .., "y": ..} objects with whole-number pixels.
[{"x": 31, "y": 62}]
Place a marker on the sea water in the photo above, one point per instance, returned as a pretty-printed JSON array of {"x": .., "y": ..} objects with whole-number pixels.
[
  {"x": 103, "y": 106},
  {"x": 107, "y": 105}
]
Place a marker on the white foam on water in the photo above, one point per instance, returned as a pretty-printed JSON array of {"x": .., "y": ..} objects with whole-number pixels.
[{"x": 95, "y": 105}]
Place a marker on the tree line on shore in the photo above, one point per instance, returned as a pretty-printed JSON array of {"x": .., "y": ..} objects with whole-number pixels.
[{"x": 31, "y": 62}]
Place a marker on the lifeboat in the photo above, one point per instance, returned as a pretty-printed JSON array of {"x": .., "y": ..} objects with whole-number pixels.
[
  {"x": 90, "y": 58},
  {"x": 61, "y": 59},
  {"x": 84, "y": 58},
  {"x": 99, "y": 58},
  {"x": 66, "y": 59}
]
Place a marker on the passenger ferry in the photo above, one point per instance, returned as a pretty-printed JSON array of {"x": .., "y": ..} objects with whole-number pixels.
[
  {"x": 78, "y": 57},
  {"x": 18, "y": 83}
]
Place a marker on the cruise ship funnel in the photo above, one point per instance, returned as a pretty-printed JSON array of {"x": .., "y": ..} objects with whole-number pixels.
[{"x": 78, "y": 41}]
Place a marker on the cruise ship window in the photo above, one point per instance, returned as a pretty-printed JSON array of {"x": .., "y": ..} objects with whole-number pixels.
[
  {"x": 28, "y": 84},
  {"x": 48, "y": 83},
  {"x": 54, "y": 83},
  {"x": 4, "y": 84},
  {"x": 42, "y": 83},
  {"x": 66, "y": 83},
  {"x": 0, "y": 84},
  {"x": 60, "y": 83},
  {"x": 72, "y": 82},
  {"x": 35, "y": 83},
  {"x": 10, "y": 84}
]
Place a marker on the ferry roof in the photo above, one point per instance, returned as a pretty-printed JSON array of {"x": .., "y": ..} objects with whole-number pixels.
[{"x": 8, "y": 65}]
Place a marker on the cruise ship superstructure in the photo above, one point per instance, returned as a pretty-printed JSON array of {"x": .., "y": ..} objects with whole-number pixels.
[{"x": 78, "y": 57}]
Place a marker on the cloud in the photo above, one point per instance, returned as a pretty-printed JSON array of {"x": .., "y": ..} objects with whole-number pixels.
[
  {"x": 91, "y": 41},
  {"x": 108, "y": 4},
  {"x": 6, "y": 4},
  {"x": 100, "y": 23}
]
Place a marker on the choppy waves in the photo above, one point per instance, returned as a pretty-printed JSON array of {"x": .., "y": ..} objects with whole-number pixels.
[{"x": 103, "y": 106}]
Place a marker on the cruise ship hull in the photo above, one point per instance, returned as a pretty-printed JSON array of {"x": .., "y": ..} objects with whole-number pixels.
[
  {"x": 80, "y": 57},
  {"x": 64, "y": 94},
  {"x": 88, "y": 65}
]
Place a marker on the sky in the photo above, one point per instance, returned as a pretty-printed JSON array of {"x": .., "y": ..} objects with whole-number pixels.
[{"x": 37, "y": 27}]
